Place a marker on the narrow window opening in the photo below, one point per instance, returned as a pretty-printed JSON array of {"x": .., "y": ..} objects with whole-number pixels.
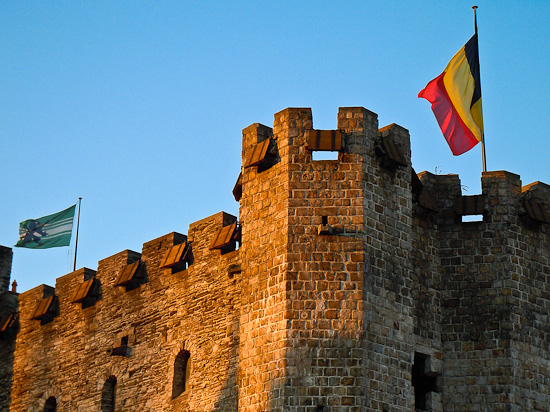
[
  {"x": 472, "y": 218},
  {"x": 422, "y": 383},
  {"x": 182, "y": 371},
  {"x": 324, "y": 144},
  {"x": 108, "y": 395},
  {"x": 324, "y": 228},
  {"x": 470, "y": 208},
  {"x": 322, "y": 155},
  {"x": 50, "y": 405},
  {"x": 121, "y": 350}
]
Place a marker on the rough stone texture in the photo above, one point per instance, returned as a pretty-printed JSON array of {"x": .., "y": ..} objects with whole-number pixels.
[
  {"x": 195, "y": 309},
  {"x": 495, "y": 302},
  {"x": 346, "y": 294}
]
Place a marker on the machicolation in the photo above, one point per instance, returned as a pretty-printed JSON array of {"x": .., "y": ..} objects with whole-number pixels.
[{"x": 343, "y": 285}]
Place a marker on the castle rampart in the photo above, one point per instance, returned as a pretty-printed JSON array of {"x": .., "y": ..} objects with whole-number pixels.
[
  {"x": 491, "y": 302},
  {"x": 343, "y": 285},
  {"x": 134, "y": 333}
]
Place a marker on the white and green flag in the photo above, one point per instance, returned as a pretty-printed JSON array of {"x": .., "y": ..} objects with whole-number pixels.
[{"x": 48, "y": 231}]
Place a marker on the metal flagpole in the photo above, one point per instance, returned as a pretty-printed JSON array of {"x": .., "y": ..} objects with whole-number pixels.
[
  {"x": 482, "y": 133},
  {"x": 76, "y": 238}
]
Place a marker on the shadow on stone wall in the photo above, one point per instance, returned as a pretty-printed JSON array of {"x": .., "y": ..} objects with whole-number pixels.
[{"x": 8, "y": 304}]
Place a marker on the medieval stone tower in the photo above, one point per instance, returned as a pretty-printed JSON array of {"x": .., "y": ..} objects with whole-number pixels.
[
  {"x": 318, "y": 244},
  {"x": 350, "y": 284}
]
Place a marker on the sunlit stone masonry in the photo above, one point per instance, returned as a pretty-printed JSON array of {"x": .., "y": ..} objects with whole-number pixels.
[{"x": 351, "y": 284}]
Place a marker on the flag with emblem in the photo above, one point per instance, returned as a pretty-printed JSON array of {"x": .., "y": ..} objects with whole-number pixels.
[{"x": 48, "y": 231}]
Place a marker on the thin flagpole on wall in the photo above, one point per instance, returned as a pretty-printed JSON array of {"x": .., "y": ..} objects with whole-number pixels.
[
  {"x": 483, "y": 159},
  {"x": 76, "y": 237}
]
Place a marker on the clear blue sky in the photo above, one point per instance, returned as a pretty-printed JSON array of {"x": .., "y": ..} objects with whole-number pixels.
[{"x": 138, "y": 107}]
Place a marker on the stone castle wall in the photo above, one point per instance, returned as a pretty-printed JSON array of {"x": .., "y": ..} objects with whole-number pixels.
[
  {"x": 356, "y": 286},
  {"x": 495, "y": 298},
  {"x": 196, "y": 309}
]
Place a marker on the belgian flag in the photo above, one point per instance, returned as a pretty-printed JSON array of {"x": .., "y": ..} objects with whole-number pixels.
[{"x": 455, "y": 96}]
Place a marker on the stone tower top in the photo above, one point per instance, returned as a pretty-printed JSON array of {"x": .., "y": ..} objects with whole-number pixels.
[{"x": 349, "y": 284}]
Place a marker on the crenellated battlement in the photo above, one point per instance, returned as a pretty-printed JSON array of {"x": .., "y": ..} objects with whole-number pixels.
[
  {"x": 503, "y": 199},
  {"x": 349, "y": 284},
  {"x": 109, "y": 288}
]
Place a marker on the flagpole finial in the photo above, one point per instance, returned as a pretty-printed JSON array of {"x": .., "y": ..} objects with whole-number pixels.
[{"x": 475, "y": 18}]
